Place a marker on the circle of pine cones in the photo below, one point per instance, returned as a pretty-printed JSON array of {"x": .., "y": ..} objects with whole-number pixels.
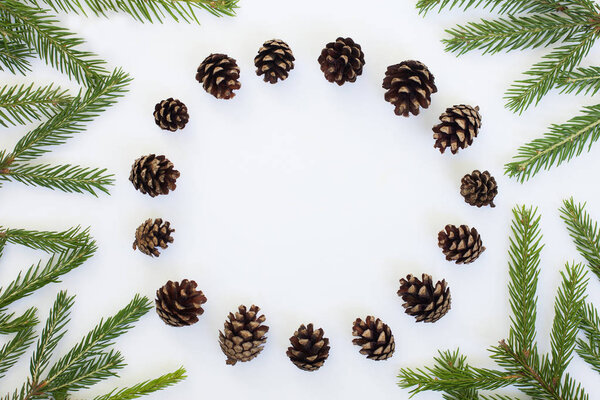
[
  {"x": 179, "y": 304},
  {"x": 219, "y": 76},
  {"x": 243, "y": 335},
  {"x": 460, "y": 244},
  {"x": 479, "y": 188},
  {"x": 458, "y": 127},
  {"x": 374, "y": 338},
  {"x": 274, "y": 60},
  {"x": 171, "y": 114},
  {"x": 422, "y": 300},
  {"x": 409, "y": 86},
  {"x": 151, "y": 235},
  {"x": 309, "y": 348},
  {"x": 153, "y": 175},
  {"x": 342, "y": 61}
]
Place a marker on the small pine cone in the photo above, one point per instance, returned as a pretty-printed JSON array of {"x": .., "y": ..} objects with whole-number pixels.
[
  {"x": 244, "y": 336},
  {"x": 460, "y": 125},
  {"x": 424, "y": 301},
  {"x": 479, "y": 188},
  {"x": 153, "y": 175},
  {"x": 409, "y": 85},
  {"x": 309, "y": 348},
  {"x": 179, "y": 304},
  {"x": 274, "y": 60},
  {"x": 374, "y": 337},
  {"x": 151, "y": 235},
  {"x": 171, "y": 114},
  {"x": 342, "y": 61},
  {"x": 461, "y": 245},
  {"x": 219, "y": 76}
]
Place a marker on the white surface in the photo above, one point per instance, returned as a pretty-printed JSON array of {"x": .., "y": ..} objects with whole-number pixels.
[{"x": 305, "y": 198}]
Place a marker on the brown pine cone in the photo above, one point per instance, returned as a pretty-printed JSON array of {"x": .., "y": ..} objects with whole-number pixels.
[
  {"x": 179, "y": 304},
  {"x": 219, "y": 76},
  {"x": 244, "y": 335},
  {"x": 479, "y": 188},
  {"x": 171, "y": 114},
  {"x": 460, "y": 125},
  {"x": 374, "y": 337},
  {"x": 153, "y": 175},
  {"x": 409, "y": 85},
  {"x": 151, "y": 235},
  {"x": 274, "y": 60},
  {"x": 342, "y": 61},
  {"x": 309, "y": 348},
  {"x": 461, "y": 245},
  {"x": 424, "y": 301}
]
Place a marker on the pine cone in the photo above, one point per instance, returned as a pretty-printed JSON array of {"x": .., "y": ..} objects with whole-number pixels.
[
  {"x": 422, "y": 300},
  {"x": 309, "y": 348},
  {"x": 153, "y": 175},
  {"x": 460, "y": 125},
  {"x": 243, "y": 336},
  {"x": 374, "y": 337},
  {"x": 409, "y": 85},
  {"x": 179, "y": 304},
  {"x": 274, "y": 60},
  {"x": 479, "y": 189},
  {"x": 461, "y": 245},
  {"x": 342, "y": 61},
  {"x": 219, "y": 76},
  {"x": 153, "y": 234},
  {"x": 171, "y": 114}
]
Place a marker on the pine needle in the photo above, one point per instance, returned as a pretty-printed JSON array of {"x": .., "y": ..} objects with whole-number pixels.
[{"x": 21, "y": 104}]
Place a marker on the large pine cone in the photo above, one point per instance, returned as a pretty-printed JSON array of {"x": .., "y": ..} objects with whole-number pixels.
[
  {"x": 479, "y": 188},
  {"x": 409, "y": 85},
  {"x": 153, "y": 175},
  {"x": 171, "y": 114},
  {"x": 424, "y": 301},
  {"x": 374, "y": 337},
  {"x": 219, "y": 76},
  {"x": 342, "y": 61},
  {"x": 274, "y": 60},
  {"x": 309, "y": 348},
  {"x": 244, "y": 335},
  {"x": 461, "y": 245},
  {"x": 151, "y": 235},
  {"x": 179, "y": 304},
  {"x": 460, "y": 125}
]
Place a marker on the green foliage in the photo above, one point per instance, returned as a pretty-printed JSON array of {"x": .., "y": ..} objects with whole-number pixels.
[
  {"x": 584, "y": 232},
  {"x": 146, "y": 387},
  {"x": 22, "y": 104},
  {"x": 540, "y": 376},
  {"x": 589, "y": 349},
  {"x": 572, "y": 26}
]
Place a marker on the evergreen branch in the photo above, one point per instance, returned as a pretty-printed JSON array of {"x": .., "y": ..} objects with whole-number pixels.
[
  {"x": 511, "y": 6},
  {"x": 68, "y": 178},
  {"x": 52, "y": 333},
  {"x": 55, "y": 45},
  {"x": 9, "y": 324},
  {"x": 36, "y": 276},
  {"x": 21, "y": 104},
  {"x": 145, "y": 10},
  {"x": 567, "y": 309},
  {"x": 589, "y": 350},
  {"x": 48, "y": 241},
  {"x": 560, "y": 144},
  {"x": 524, "y": 254},
  {"x": 514, "y": 33},
  {"x": 582, "y": 80},
  {"x": 584, "y": 232},
  {"x": 97, "y": 340},
  {"x": 543, "y": 76},
  {"x": 146, "y": 387},
  {"x": 11, "y": 351},
  {"x": 71, "y": 119},
  {"x": 14, "y": 56}
]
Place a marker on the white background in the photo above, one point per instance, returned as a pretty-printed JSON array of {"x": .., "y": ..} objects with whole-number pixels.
[{"x": 305, "y": 198}]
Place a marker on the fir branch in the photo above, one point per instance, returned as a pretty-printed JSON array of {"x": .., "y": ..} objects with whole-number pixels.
[
  {"x": 145, "y": 10},
  {"x": 71, "y": 119},
  {"x": 560, "y": 144},
  {"x": 589, "y": 350},
  {"x": 514, "y": 33},
  {"x": 584, "y": 232},
  {"x": 582, "y": 80},
  {"x": 14, "y": 56},
  {"x": 543, "y": 76},
  {"x": 11, "y": 351},
  {"x": 22, "y": 104},
  {"x": 68, "y": 178},
  {"x": 55, "y": 45},
  {"x": 48, "y": 241},
  {"x": 510, "y": 6},
  {"x": 9, "y": 324},
  {"x": 146, "y": 387}
]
